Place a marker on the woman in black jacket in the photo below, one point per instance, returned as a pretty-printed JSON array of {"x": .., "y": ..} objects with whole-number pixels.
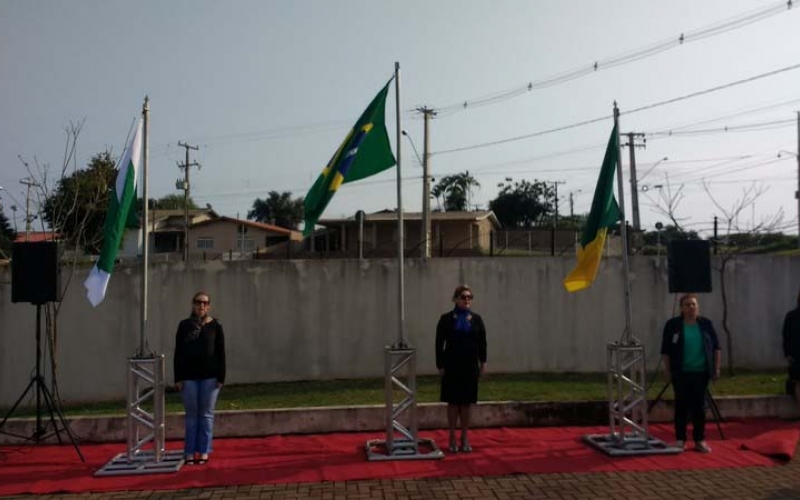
[
  {"x": 691, "y": 358},
  {"x": 461, "y": 359},
  {"x": 199, "y": 365}
]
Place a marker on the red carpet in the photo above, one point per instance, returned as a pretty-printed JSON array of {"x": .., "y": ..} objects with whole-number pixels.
[
  {"x": 339, "y": 457},
  {"x": 778, "y": 443}
]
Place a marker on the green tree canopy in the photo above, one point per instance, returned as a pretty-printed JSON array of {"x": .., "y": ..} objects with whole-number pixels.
[
  {"x": 278, "y": 209},
  {"x": 6, "y": 235},
  {"x": 453, "y": 191},
  {"x": 669, "y": 233},
  {"x": 173, "y": 202},
  {"x": 77, "y": 206},
  {"x": 523, "y": 203}
]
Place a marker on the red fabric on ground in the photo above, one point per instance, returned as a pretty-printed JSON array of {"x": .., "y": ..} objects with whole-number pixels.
[
  {"x": 339, "y": 457},
  {"x": 778, "y": 443}
]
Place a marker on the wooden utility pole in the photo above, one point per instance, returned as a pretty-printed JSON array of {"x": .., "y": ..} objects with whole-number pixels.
[
  {"x": 797, "y": 193},
  {"x": 426, "y": 185},
  {"x": 632, "y": 136},
  {"x": 555, "y": 214},
  {"x": 186, "y": 190},
  {"x": 29, "y": 183}
]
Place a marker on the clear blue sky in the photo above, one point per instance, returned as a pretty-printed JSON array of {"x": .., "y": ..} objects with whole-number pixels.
[{"x": 268, "y": 89}]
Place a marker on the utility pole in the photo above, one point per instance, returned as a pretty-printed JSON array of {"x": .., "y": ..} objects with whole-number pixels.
[
  {"x": 29, "y": 183},
  {"x": 797, "y": 193},
  {"x": 426, "y": 184},
  {"x": 555, "y": 214},
  {"x": 632, "y": 136},
  {"x": 186, "y": 190},
  {"x": 572, "y": 202}
]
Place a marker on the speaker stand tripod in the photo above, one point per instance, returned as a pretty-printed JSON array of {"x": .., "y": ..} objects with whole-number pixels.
[
  {"x": 709, "y": 399},
  {"x": 44, "y": 402}
]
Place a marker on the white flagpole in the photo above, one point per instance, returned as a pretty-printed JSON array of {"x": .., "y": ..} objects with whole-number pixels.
[{"x": 401, "y": 342}]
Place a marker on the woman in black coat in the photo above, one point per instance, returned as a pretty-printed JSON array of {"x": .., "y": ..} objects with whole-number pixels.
[{"x": 461, "y": 360}]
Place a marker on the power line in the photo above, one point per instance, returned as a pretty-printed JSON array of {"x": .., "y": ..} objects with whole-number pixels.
[
  {"x": 684, "y": 38},
  {"x": 634, "y": 110}
]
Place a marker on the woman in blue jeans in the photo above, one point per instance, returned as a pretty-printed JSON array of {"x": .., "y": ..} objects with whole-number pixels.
[{"x": 199, "y": 375}]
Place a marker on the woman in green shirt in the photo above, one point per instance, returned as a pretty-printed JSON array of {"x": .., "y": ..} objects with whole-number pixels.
[{"x": 691, "y": 358}]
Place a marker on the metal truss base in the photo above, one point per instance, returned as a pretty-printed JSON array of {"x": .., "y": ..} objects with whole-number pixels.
[
  {"x": 403, "y": 450},
  {"x": 142, "y": 463},
  {"x": 630, "y": 445}
]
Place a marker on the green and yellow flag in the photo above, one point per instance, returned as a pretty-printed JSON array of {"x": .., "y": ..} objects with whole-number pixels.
[
  {"x": 603, "y": 216},
  {"x": 365, "y": 151}
]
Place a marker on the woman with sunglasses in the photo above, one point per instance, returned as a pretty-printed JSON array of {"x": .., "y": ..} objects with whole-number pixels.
[
  {"x": 461, "y": 359},
  {"x": 199, "y": 365}
]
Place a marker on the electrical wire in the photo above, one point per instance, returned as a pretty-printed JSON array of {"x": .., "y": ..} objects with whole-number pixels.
[
  {"x": 637, "y": 54},
  {"x": 632, "y": 111}
]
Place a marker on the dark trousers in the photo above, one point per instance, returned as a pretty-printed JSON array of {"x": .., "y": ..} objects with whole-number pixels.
[{"x": 690, "y": 397}]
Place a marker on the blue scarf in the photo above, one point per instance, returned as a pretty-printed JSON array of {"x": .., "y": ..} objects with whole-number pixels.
[{"x": 462, "y": 324}]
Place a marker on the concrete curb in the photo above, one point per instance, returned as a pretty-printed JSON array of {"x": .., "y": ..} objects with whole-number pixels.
[{"x": 371, "y": 418}]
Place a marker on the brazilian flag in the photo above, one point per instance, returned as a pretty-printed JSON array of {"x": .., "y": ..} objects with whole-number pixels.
[
  {"x": 365, "y": 151},
  {"x": 603, "y": 216}
]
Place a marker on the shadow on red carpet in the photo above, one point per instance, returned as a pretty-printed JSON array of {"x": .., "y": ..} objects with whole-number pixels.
[{"x": 340, "y": 457}]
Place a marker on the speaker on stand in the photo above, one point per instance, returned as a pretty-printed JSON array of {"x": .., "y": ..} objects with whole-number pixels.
[
  {"x": 36, "y": 278},
  {"x": 689, "y": 266}
]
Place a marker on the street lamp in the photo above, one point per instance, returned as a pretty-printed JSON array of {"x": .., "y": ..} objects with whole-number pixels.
[
  {"x": 651, "y": 168},
  {"x": 426, "y": 195},
  {"x": 405, "y": 133}
]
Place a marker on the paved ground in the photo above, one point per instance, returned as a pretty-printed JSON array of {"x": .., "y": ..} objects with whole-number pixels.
[{"x": 763, "y": 483}]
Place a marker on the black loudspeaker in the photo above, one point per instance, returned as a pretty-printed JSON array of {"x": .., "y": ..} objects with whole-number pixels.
[
  {"x": 35, "y": 273},
  {"x": 689, "y": 265}
]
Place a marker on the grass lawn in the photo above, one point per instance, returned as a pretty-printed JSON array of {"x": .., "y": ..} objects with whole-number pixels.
[{"x": 494, "y": 387}]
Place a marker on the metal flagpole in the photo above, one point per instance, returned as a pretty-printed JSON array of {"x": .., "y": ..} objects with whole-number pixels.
[
  {"x": 146, "y": 373},
  {"x": 400, "y": 357},
  {"x": 627, "y": 380},
  {"x": 145, "y": 227}
]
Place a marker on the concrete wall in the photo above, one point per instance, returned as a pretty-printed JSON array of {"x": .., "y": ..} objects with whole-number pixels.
[{"x": 294, "y": 320}]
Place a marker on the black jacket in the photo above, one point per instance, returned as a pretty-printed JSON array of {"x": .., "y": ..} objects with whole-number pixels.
[
  {"x": 672, "y": 343},
  {"x": 199, "y": 351},
  {"x": 791, "y": 334},
  {"x": 453, "y": 348}
]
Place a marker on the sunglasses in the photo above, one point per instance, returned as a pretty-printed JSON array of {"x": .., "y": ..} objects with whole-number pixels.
[
  {"x": 465, "y": 297},
  {"x": 201, "y": 302}
]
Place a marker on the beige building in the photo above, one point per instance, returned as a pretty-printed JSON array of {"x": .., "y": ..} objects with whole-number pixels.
[
  {"x": 227, "y": 234},
  {"x": 452, "y": 233},
  {"x": 210, "y": 234}
]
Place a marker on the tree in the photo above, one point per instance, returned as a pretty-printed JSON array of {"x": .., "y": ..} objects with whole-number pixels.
[
  {"x": 455, "y": 191},
  {"x": 523, "y": 203},
  {"x": 278, "y": 209},
  {"x": 727, "y": 247},
  {"x": 668, "y": 233},
  {"x": 77, "y": 206},
  {"x": 167, "y": 202},
  {"x": 6, "y": 235},
  {"x": 174, "y": 202}
]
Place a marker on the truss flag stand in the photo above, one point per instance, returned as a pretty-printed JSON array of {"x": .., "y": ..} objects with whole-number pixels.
[
  {"x": 146, "y": 382},
  {"x": 402, "y": 441},
  {"x": 626, "y": 384}
]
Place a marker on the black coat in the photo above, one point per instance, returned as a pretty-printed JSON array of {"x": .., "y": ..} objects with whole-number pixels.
[
  {"x": 199, "y": 351},
  {"x": 672, "y": 343},
  {"x": 459, "y": 354}
]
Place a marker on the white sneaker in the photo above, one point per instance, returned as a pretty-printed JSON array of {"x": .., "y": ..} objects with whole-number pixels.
[
  {"x": 702, "y": 447},
  {"x": 680, "y": 444}
]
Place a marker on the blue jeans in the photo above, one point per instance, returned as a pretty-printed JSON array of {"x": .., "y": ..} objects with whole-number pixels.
[{"x": 199, "y": 399}]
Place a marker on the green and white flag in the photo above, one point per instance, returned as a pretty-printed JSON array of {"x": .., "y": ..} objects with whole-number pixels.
[{"x": 120, "y": 201}]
